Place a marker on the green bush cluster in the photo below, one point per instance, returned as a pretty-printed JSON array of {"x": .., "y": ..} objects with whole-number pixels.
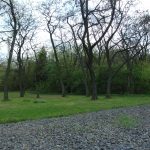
[{"x": 73, "y": 78}]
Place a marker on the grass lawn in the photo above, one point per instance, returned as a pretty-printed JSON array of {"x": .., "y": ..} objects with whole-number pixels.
[{"x": 28, "y": 108}]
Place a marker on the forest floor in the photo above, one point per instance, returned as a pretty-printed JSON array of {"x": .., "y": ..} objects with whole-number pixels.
[
  {"x": 115, "y": 129},
  {"x": 48, "y": 106}
]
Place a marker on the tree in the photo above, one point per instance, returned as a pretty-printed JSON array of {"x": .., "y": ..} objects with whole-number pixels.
[
  {"x": 12, "y": 20},
  {"x": 27, "y": 27},
  {"x": 40, "y": 69},
  {"x": 134, "y": 41},
  {"x": 93, "y": 17},
  {"x": 52, "y": 22},
  {"x": 78, "y": 49}
]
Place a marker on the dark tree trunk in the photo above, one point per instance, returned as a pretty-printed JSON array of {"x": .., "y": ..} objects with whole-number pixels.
[
  {"x": 6, "y": 97},
  {"x": 15, "y": 31},
  {"x": 109, "y": 63},
  {"x": 85, "y": 75},
  {"x": 92, "y": 74},
  {"x": 21, "y": 77},
  {"x": 82, "y": 64},
  {"x": 57, "y": 61},
  {"x": 37, "y": 95},
  {"x": 87, "y": 90},
  {"x": 37, "y": 92},
  {"x": 22, "y": 90},
  {"x": 85, "y": 78},
  {"x": 108, "y": 88},
  {"x": 6, "y": 89},
  {"x": 62, "y": 89},
  {"x": 94, "y": 89},
  {"x": 130, "y": 84},
  {"x": 130, "y": 87},
  {"x": 22, "y": 93},
  {"x": 93, "y": 83}
]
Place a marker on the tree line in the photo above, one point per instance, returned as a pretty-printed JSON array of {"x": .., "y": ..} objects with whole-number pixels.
[{"x": 95, "y": 47}]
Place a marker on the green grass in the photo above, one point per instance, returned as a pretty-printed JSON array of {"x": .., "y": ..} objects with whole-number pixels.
[
  {"x": 126, "y": 121},
  {"x": 29, "y": 108}
]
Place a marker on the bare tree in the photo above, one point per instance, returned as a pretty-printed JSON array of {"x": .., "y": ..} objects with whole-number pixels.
[
  {"x": 93, "y": 17},
  {"x": 78, "y": 50},
  {"x": 134, "y": 41},
  {"x": 27, "y": 27},
  {"x": 35, "y": 47},
  {"x": 52, "y": 21},
  {"x": 13, "y": 25},
  {"x": 110, "y": 42}
]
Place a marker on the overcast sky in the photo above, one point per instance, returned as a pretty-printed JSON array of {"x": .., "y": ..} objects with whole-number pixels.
[{"x": 143, "y": 5}]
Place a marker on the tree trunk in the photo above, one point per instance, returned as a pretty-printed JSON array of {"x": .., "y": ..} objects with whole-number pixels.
[
  {"x": 6, "y": 91},
  {"x": 94, "y": 89},
  {"x": 92, "y": 74},
  {"x": 108, "y": 90},
  {"x": 109, "y": 80},
  {"x": 85, "y": 79},
  {"x": 57, "y": 62},
  {"x": 62, "y": 88},
  {"x": 130, "y": 87},
  {"x": 109, "y": 64},
  {"x": 82, "y": 64},
  {"x": 21, "y": 84},
  {"x": 14, "y": 26},
  {"x": 93, "y": 84},
  {"x": 6, "y": 97},
  {"x": 22, "y": 91},
  {"x": 87, "y": 90},
  {"x": 37, "y": 93}
]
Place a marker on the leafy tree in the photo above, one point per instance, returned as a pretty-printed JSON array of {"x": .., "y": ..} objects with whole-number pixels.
[{"x": 40, "y": 69}]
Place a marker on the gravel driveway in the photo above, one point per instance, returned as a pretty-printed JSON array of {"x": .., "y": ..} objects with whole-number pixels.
[{"x": 90, "y": 131}]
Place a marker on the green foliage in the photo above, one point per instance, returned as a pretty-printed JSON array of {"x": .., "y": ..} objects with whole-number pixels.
[
  {"x": 40, "y": 69},
  {"x": 47, "y": 78},
  {"x": 30, "y": 75},
  {"x": 142, "y": 77},
  {"x": 145, "y": 71}
]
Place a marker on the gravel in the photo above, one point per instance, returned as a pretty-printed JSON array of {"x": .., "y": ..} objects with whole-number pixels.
[{"x": 89, "y": 131}]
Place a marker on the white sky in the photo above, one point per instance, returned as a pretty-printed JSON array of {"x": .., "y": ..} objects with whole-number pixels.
[{"x": 143, "y": 5}]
